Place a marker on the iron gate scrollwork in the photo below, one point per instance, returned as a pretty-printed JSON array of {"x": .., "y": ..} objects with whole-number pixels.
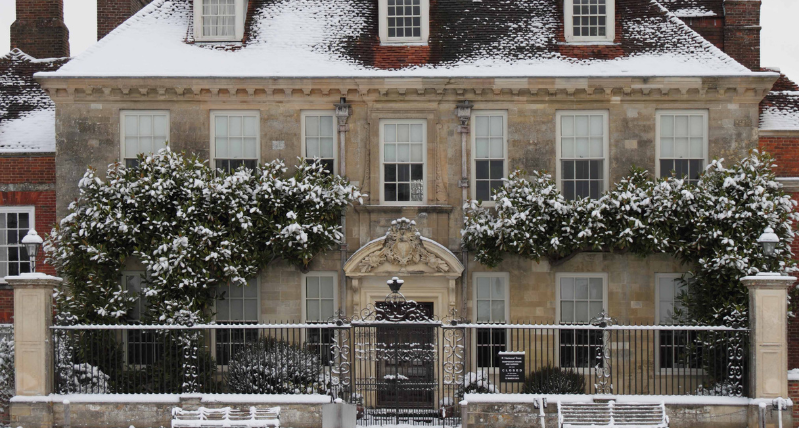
[{"x": 403, "y": 367}]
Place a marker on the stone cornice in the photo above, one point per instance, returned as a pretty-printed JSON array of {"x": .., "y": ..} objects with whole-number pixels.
[{"x": 743, "y": 88}]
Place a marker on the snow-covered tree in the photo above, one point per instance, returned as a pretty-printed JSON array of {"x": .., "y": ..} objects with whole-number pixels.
[
  {"x": 192, "y": 227},
  {"x": 711, "y": 226}
]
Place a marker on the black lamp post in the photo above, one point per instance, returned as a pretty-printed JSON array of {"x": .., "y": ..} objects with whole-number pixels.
[{"x": 32, "y": 242}]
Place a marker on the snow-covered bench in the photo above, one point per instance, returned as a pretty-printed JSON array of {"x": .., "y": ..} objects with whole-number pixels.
[
  {"x": 225, "y": 417},
  {"x": 639, "y": 415}
]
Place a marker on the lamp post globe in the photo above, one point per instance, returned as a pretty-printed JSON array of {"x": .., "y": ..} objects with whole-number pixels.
[
  {"x": 32, "y": 242},
  {"x": 768, "y": 240}
]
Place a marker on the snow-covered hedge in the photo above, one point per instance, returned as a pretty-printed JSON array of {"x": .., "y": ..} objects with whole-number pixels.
[
  {"x": 712, "y": 226},
  {"x": 270, "y": 366},
  {"x": 192, "y": 228},
  {"x": 7, "y": 386}
]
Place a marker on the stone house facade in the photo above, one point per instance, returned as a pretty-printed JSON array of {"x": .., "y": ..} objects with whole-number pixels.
[{"x": 381, "y": 108}]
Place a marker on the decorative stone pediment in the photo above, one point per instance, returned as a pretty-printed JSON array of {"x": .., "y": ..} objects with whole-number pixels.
[{"x": 403, "y": 251}]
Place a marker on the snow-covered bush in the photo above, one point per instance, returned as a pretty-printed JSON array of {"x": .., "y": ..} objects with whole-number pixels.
[
  {"x": 712, "y": 226},
  {"x": 554, "y": 380},
  {"x": 7, "y": 386},
  {"x": 269, "y": 366},
  {"x": 192, "y": 228},
  {"x": 476, "y": 383}
]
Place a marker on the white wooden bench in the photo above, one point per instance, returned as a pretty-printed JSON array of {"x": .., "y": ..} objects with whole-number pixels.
[
  {"x": 225, "y": 417},
  {"x": 639, "y": 415}
]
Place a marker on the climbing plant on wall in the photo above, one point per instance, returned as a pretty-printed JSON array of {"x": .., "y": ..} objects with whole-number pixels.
[
  {"x": 192, "y": 228},
  {"x": 711, "y": 226}
]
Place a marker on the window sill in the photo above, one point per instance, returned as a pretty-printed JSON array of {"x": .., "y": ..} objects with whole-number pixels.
[
  {"x": 589, "y": 43},
  {"x": 392, "y": 208},
  {"x": 400, "y": 43}
]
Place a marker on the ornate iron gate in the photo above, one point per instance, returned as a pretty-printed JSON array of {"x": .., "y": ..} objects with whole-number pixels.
[{"x": 399, "y": 365}]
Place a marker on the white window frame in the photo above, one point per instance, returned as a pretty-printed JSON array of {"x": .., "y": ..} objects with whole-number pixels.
[
  {"x": 693, "y": 112},
  {"x": 382, "y": 11},
  {"x": 382, "y": 124},
  {"x": 610, "y": 25},
  {"x": 605, "y": 146},
  {"x": 506, "y": 278},
  {"x": 124, "y": 113},
  {"x": 303, "y": 293},
  {"x": 473, "y": 123},
  {"x": 238, "y": 32},
  {"x": 327, "y": 113},
  {"x": 251, "y": 113},
  {"x": 668, "y": 370},
  {"x": 22, "y": 209},
  {"x": 558, "y": 276}
]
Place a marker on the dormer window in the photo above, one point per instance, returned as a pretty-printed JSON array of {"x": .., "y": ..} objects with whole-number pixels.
[
  {"x": 219, "y": 20},
  {"x": 404, "y": 21},
  {"x": 588, "y": 21}
]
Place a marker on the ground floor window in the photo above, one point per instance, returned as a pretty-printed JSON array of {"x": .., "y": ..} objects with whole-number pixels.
[
  {"x": 581, "y": 297},
  {"x": 491, "y": 302},
  {"x": 238, "y": 305},
  {"x": 319, "y": 299},
  {"x": 676, "y": 349},
  {"x": 14, "y": 225}
]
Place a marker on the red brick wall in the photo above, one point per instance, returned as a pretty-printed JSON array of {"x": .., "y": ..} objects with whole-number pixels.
[
  {"x": 711, "y": 28},
  {"x": 37, "y": 170},
  {"x": 742, "y": 31},
  {"x": 29, "y": 181},
  {"x": 111, "y": 13},
  {"x": 785, "y": 150},
  {"x": 39, "y": 30}
]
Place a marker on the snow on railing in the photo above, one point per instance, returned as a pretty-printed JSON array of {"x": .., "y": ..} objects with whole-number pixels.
[{"x": 192, "y": 327}]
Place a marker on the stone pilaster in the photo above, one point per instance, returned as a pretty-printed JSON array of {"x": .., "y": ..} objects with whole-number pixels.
[{"x": 768, "y": 324}]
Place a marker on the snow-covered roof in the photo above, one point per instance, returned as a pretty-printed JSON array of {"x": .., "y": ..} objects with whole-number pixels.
[
  {"x": 779, "y": 110},
  {"x": 339, "y": 38},
  {"x": 694, "y": 8},
  {"x": 27, "y": 115}
]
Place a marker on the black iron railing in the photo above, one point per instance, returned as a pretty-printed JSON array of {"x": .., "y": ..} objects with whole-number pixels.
[{"x": 402, "y": 372}]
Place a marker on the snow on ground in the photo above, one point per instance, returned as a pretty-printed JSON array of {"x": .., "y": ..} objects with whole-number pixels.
[
  {"x": 306, "y": 38},
  {"x": 34, "y": 131}
]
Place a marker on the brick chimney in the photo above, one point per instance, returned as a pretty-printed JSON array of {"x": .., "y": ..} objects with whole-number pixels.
[
  {"x": 111, "y": 13},
  {"x": 39, "y": 30},
  {"x": 742, "y": 31}
]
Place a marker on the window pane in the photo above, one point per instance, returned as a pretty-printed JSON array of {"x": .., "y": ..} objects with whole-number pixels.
[
  {"x": 390, "y": 152},
  {"x": 416, "y": 134},
  {"x": 483, "y": 311},
  {"x": 221, "y": 128},
  {"x": 581, "y": 288},
  {"x": 497, "y": 151},
  {"x": 402, "y": 133},
  {"x": 312, "y": 126},
  {"x": 416, "y": 153},
  {"x": 697, "y": 126},
  {"x": 326, "y": 309},
  {"x": 567, "y": 147},
  {"x": 596, "y": 126},
  {"x": 326, "y": 126},
  {"x": 567, "y": 125},
  {"x": 483, "y": 288},
  {"x": 326, "y": 287},
  {"x": 567, "y": 311},
  {"x": 667, "y": 147},
  {"x": 250, "y": 125},
  {"x": 482, "y": 126},
  {"x": 496, "y": 126},
  {"x": 567, "y": 288},
  {"x": 666, "y": 126},
  {"x": 131, "y": 125}
]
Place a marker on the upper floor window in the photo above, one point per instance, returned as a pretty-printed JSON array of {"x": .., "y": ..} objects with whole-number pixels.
[
  {"x": 15, "y": 221},
  {"x": 582, "y": 138},
  {"x": 402, "y": 166},
  {"x": 681, "y": 143},
  {"x": 489, "y": 149},
  {"x": 235, "y": 139},
  {"x": 589, "y": 20},
  {"x": 319, "y": 138},
  {"x": 404, "y": 21},
  {"x": 219, "y": 20},
  {"x": 142, "y": 131}
]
